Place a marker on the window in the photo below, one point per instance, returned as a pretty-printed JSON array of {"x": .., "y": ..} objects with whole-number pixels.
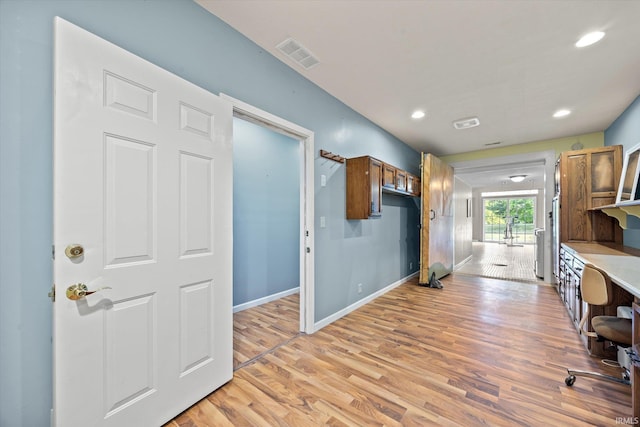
[{"x": 509, "y": 220}]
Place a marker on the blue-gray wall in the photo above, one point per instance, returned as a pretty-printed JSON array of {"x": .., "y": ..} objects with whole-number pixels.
[
  {"x": 266, "y": 212},
  {"x": 183, "y": 38},
  {"x": 625, "y": 131}
]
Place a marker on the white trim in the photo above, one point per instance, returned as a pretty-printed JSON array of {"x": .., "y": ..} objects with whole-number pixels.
[
  {"x": 307, "y": 194},
  {"x": 461, "y": 263},
  {"x": 330, "y": 319},
  {"x": 264, "y": 300}
]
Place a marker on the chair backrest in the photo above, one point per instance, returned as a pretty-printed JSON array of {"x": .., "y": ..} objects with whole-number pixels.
[{"x": 595, "y": 286}]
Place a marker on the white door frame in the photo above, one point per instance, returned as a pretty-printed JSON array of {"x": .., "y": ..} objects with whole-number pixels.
[{"x": 305, "y": 136}]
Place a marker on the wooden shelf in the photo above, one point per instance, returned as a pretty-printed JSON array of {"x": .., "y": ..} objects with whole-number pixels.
[{"x": 621, "y": 210}]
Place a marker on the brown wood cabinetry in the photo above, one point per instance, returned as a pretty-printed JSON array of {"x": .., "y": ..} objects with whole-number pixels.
[
  {"x": 388, "y": 176},
  {"x": 364, "y": 187},
  {"x": 588, "y": 179},
  {"x": 571, "y": 267},
  {"x": 395, "y": 179},
  {"x": 413, "y": 185},
  {"x": 367, "y": 177}
]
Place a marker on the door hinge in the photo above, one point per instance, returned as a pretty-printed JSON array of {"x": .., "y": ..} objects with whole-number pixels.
[
  {"x": 52, "y": 293},
  {"x": 53, "y": 252},
  {"x": 308, "y": 250}
]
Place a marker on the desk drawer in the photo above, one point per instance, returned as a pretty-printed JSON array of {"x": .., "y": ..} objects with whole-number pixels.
[{"x": 578, "y": 267}]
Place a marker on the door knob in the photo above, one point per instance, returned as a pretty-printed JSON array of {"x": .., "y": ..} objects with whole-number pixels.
[
  {"x": 80, "y": 290},
  {"x": 74, "y": 250}
]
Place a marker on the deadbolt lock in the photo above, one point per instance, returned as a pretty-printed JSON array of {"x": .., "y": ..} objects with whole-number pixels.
[{"x": 74, "y": 250}]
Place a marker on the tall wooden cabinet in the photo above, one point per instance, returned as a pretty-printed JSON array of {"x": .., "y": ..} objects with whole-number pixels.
[{"x": 588, "y": 179}]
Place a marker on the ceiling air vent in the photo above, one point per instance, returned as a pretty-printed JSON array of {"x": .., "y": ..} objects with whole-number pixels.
[
  {"x": 466, "y": 123},
  {"x": 298, "y": 53}
]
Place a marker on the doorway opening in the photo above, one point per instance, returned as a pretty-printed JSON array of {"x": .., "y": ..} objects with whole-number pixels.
[
  {"x": 492, "y": 174},
  {"x": 273, "y": 231},
  {"x": 509, "y": 220}
]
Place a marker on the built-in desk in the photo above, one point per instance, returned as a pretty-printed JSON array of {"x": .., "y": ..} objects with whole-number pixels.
[{"x": 623, "y": 266}]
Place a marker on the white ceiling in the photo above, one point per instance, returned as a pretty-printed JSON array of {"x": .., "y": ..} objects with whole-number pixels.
[{"x": 510, "y": 63}]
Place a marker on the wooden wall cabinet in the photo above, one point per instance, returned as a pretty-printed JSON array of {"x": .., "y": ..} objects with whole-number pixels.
[
  {"x": 395, "y": 179},
  {"x": 413, "y": 185},
  {"x": 588, "y": 179},
  {"x": 367, "y": 178},
  {"x": 364, "y": 187}
]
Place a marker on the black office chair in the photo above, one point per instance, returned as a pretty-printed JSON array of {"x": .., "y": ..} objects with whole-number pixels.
[{"x": 596, "y": 289}]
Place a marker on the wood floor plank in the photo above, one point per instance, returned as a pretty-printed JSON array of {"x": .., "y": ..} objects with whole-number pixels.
[{"x": 477, "y": 352}]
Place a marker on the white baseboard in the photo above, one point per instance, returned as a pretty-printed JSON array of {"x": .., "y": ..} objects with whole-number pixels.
[
  {"x": 330, "y": 319},
  {"x": 464, "y": 261},
  {"x": 264, "y": 300}
]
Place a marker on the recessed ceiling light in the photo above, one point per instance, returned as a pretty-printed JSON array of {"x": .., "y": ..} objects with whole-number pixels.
[
  {"x": 590, "y": 38},
  {"x": 418, "y": 114},
  {"x": 561, "y": 113},
  {"x": 466, "y": 123},
  {"x": 517, "y": 178}
]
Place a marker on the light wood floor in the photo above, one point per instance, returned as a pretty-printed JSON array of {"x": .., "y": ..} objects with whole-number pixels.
[
  {"x": 260, "y": 329},
  {"x": 501, "y": 261},
  {"x": 478, "y": 352}
]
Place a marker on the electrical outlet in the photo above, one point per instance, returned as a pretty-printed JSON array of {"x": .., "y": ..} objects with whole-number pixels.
[
  {"x": 410, "y": 265},
  {"x": 359, "y": 288}
]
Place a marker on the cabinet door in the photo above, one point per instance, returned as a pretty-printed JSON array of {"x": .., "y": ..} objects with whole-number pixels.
[
  {"x": 588, "y": 179},
  {"x": 413, "y": 185},
  {"x": 562, "y": 281},
  {"x": 574, "y": 197},
  {"x": 401, "y": 180},
  {"x": 388, "y": 176},
  {"x": 570, "y": 293},
  {"x": 364, "y": 186},
  {"x": 606, "y": 169},
  {"x": 416, "y": 186},
  {"x": 375, "y": 175}
]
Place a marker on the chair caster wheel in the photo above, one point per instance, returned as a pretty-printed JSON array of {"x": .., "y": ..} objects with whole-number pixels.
[{"x": 570, "y": 380}]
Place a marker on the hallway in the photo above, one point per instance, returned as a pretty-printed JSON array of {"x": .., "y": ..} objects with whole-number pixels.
[{"x": 501, "y": 261}]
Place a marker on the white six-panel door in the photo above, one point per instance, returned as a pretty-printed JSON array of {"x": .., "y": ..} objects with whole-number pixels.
[{"x": 143, "y": 184}]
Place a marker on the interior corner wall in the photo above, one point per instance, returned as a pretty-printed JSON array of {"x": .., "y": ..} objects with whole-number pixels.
[
  {"x": 625, "y": 131},
  {"x": 186, "y": 40}
]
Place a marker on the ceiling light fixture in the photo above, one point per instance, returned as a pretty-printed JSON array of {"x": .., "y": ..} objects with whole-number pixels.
[
  {"x": 561, "y": 113},
  {"x": 467, "y": 123},
  {"x": 590, "y": 38},
  {"x": 418, "y": 114},
  {"x": 517, "y": 178}
]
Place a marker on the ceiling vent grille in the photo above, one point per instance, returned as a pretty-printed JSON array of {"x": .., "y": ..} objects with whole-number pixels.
[
  {"x": 466, "y": 123},
  {"x": 298, "y": 53}
]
